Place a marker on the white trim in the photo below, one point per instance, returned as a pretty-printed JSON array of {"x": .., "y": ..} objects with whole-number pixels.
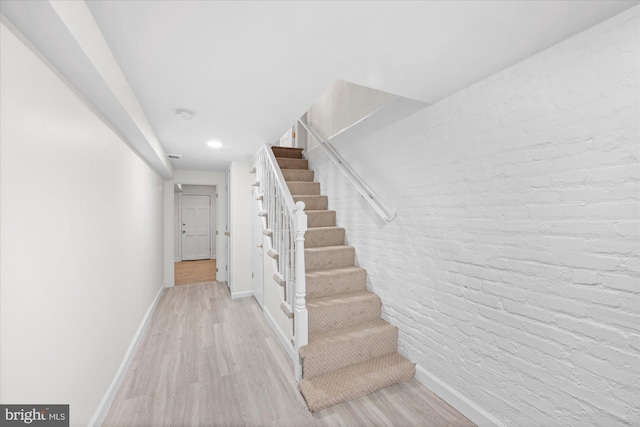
[
  {"x": 454, "y": 398},
  {"x": 228, "y": 268},
  {"x": 244, "y": 294},
  {"x": 107, "y": 400},
  {"x": 179, "y": 229},
  {"x": 177, "y": 260},
  {"x": 284, "y": 341}
]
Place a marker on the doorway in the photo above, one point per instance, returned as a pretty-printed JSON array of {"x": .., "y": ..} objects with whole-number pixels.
[
  {"x": 195, "y": 215},
  {"x": 195, "y": 234}
]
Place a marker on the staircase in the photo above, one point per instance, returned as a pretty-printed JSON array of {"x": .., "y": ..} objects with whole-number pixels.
[{"x": 351, "y": 351}]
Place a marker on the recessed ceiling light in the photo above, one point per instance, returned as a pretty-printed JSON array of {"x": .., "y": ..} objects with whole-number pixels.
[{"x": 214, "y": 144}]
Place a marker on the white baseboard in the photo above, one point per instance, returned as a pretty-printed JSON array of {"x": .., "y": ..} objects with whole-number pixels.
[
  {"x": 245, "y": 294},
  {"x": 286, "y": 343},
  {"x": 454, "y": 398},
  {"x": 177, "y": 260},
  {"x": 107, "y": 400}
]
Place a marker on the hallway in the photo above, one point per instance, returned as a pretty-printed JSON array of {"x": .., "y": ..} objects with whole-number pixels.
[{"x": 208, "y": 360}]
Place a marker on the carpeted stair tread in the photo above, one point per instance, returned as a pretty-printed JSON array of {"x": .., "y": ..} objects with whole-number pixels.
[
  {"x": 320, "y": 218},
  {"x": 298, "y": 175},
  {"x": 329, "y": 257},
  {"x": 333, "y": 281},
  {"x": 313, "y": 203},
  {"x": 304, "y": 188},
  {"x": 323, "y": 236},
  {"x": 342, "y": 310},
  {"x": 338, "y": 348},
  {"x": 290, "y": 152},
  {"x": 356, "y": 380},
  {"x": 287, "y": 163}
]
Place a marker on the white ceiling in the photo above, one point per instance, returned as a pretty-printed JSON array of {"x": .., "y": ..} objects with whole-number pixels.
[{"x": 249, "y": 69}]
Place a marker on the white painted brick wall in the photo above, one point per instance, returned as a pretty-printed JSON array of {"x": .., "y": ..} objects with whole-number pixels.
[{"x": 513, "y": 266}]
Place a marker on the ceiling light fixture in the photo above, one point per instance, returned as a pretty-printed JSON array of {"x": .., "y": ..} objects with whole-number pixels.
[
  {"x": 214, "y": 144},
  {"x": 183, "y": 114}
]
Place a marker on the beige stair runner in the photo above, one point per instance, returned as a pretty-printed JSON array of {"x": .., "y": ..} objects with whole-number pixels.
[{"x": 352, "y": 351}]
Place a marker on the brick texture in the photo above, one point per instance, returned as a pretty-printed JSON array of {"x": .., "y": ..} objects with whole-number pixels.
[{"x": 512, "y": 269}]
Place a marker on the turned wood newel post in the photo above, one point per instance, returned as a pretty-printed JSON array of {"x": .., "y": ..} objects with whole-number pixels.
[{"x": 301, "y": 317}]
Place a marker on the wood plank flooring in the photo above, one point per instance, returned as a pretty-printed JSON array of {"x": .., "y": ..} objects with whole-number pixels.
[
  {"x": 208, "y": 360},
  {"x": 189, "y": 272}
]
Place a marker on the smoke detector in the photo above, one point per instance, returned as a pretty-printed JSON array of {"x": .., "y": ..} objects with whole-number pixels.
[{"x": 183, "y": 114}]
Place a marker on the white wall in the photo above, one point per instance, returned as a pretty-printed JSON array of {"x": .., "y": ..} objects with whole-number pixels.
[
  {"x": 167, "y": 229},
  {"x": 240, "y": 198},
  {"x": 81, "y": 236},
  {"x": 286, "y": 139},
  {"x": 177, "y": 246},
  {"x": 217, "y": 179},
  {"x": 341, "y": 105},
  {"x": 194, "y": 189},
  {"x": 513, "y": 267}
]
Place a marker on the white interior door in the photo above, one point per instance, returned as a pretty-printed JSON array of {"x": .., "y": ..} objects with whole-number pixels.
[{"x": 196, "y": 226}]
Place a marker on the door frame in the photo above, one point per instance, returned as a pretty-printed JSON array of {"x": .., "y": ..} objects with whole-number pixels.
[
  {"x": 211, "y": 232},
  {"x": 198, "y": 178},
  {"x": 227, "y": 231}
]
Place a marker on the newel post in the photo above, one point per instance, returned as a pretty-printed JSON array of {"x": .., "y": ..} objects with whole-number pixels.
[{"x": 301, "y": 317}]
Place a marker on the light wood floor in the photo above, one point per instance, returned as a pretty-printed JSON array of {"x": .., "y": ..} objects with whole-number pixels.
[
  {"x": 188, "y": 272},
  {"x": 208, "y": 360}
]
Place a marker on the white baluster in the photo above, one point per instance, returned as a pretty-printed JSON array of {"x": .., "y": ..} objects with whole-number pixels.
[
  {"x": 288, "y": 223},
  {"x": 301, "y": 316}
]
